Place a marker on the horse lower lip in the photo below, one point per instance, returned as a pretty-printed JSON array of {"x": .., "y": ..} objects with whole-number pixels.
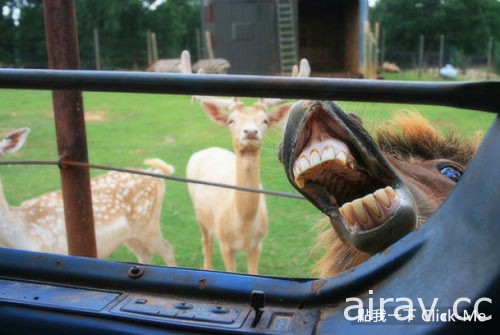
[
  {"x": 370, "y": 211},
  {"x": 402, "y": 221}
]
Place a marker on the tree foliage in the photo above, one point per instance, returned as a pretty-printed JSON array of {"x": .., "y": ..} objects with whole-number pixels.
[
  {"x": 466, "y": 24},
  {"x": 122, "y": 27}
]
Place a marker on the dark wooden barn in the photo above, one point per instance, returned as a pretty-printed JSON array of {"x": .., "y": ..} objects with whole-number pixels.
[{"x": 267, "y": 37}]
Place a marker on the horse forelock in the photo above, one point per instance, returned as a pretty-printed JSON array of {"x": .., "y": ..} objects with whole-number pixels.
[{"x": 410, "y": 136}]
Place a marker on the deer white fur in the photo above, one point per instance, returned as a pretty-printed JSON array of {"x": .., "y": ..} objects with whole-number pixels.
[
  {"x": 238, "y": 219},
  {"x": 126, "y": 208}
]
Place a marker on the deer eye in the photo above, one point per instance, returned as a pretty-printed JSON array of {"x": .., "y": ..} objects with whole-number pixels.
[
  {"x": 265, "y": 121},
  {"x": 230, "y": 121},
  {"x": 451, "y": 172}
]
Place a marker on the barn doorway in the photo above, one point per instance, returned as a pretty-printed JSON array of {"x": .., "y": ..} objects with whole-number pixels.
[{"x": 329, "y": 36}]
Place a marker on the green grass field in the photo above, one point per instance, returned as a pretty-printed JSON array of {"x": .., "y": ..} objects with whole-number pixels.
[{"x": 128, "y": 128}]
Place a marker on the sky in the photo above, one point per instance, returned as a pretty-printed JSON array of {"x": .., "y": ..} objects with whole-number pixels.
[{"x": 371, "y": 3}]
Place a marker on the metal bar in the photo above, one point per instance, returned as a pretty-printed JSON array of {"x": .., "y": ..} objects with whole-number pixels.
[
  {"x": 470, "y": 95},
  {"x": 63, "y": 53}
]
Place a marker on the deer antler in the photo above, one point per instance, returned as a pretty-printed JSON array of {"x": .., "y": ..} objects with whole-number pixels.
[
  {"x": 303, "y": 70},
  {"x": 185, "y": 65}
]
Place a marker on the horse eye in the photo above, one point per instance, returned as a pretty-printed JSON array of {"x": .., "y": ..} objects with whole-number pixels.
[{"x": 451, "y": 173}]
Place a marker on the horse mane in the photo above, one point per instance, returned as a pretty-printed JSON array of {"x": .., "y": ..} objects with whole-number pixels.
[{"x": 409, "y": 136}]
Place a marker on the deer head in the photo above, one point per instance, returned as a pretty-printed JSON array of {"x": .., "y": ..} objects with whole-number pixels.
[{"x": 246, "y": 124}]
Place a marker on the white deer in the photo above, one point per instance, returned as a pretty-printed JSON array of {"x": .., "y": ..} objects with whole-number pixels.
[
  {"x": 126, "y": 207},
  {"x": 238, "y": 219}
]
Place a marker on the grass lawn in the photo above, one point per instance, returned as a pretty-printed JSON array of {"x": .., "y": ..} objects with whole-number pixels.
[{"x": 124, "y": 129}]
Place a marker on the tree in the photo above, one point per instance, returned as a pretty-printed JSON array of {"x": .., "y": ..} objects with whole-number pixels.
[
  {"x": 403, "y": 21},
  {"x": 31, "y": 49},
  {"x": 24, "y": 42},
  {"x": 122, "y": 27},
  {"x": 120, "y": 24},
  {"x": 469, "y": 24},
  {"x": 7, "y": 41},
  {"x": 175, "y": 23},
  {"x": 466, "y": 24}
]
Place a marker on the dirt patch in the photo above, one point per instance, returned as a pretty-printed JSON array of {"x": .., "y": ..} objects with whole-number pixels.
[
  {"x": 98, "y": 116},
  {"x": 471, "y": 74},
  {"x": 168, "y": 139},
  {"x": 476, "y": 74}
]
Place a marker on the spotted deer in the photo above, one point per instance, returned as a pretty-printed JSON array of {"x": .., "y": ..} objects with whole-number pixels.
[
  {"x": 126, "y": 208},
  {"x": 374, "y": 190}
]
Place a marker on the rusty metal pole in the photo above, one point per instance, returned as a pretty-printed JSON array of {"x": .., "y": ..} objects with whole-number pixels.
[{"x": 63, "y": 53}]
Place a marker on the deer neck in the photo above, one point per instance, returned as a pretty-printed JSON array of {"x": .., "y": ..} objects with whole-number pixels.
[
  {"x": 4, "y": 206},
  {"x": 10, "y": 234},
  {"x": 247, "y": 175}
]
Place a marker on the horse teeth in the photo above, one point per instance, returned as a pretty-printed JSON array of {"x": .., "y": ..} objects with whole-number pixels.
[
  {"x": 371, "y": 204},
  {"x": 390, "y": 192},
  {"x": 296, "y": 169},
  {"x": 303, "y": 163},
  {"x": 347, "y": 213},
  {"x": 381, "y": 196},
  {"x": 328, "y": 153},
  {"x": 360, "y": 211},
  {"x": 341, "y": 157},
  {"x": 314, "y": 158},
  {"x": 299, "y": 181},
  {"x": 367, "y": 212}
]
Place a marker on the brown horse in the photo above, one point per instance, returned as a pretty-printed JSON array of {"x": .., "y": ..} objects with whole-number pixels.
[{"x": 373, "y": 191}]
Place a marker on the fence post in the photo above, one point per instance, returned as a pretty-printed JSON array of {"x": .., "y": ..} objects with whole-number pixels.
[
  {"x": 368, "y": 51},
  {"x": 63, "y": 53},
  {"x": 149, "y": 48},
  {"x": 441, "y": 52},
  {"x": 154, "y": 47},
  {"x": 490, "y": 58},
  {"x": 97, "y": 49},
  {"x": 377, "y": 49},
  {"x": 421, "y": 55},
  {"x": 382, "y": 47}
]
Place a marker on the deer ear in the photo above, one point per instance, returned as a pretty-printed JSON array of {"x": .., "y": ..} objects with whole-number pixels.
[
  {"x": 14, "y": 141},
  {"x": 278, "y": 115},
  {"x": 215, "y": 112}
]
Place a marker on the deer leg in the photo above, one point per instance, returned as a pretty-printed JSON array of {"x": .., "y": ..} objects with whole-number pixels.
[
  {"x": 228, "y": 256},
  {"x": 143, "y": 254},
  {"x": 207, "y": 243},
  {"x": 253, "y": 259},
  {"x": 164, "y": 249}
]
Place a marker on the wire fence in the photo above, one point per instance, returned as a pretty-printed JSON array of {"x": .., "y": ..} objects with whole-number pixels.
[{"x": 65, "y": 163}]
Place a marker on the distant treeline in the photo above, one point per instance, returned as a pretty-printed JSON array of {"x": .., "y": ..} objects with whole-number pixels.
[
  {"x": 467, "y": 30},
  {"x": 122, "y": 28}
]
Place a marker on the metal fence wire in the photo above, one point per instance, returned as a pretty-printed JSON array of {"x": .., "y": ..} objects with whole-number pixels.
[{"x": 65, "y": 163}]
